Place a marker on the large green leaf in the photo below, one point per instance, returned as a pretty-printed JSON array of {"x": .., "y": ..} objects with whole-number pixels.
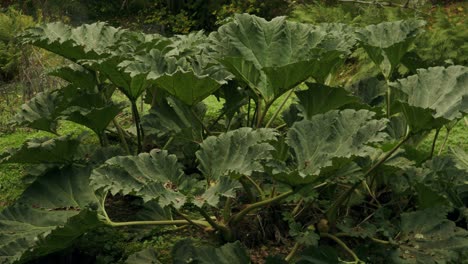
[
  {"x": 191, "y": 79},
  {"x": 88, "y": 41},
  {"x": 61, "y": 188},
  {"x": 187, "y": 252},
  {"x": 337, "y": 43},
  {"x": 95, "y": 46},
  {"x": 186, "y": 45},
  {"x": 429, "y": 237},
  {"x": 129, "y": 84},
  {"x": 152, "y": 176},
  {"x": 235, "y": 153},
  {"x": 334, "y": 135},
  {"x": 433, "y": 96},
  {"x": 318, "y": 255},
  {"x": 320, "y": 99},
  {"x": 29, "y": 233},
  {"x": 145, "y": 256},
  {"x": 41, "y": 112},
  {"x": 70, "y": 103},
  {"x": 76, "y": 75},
  {"x": 370, "y": 90},
  {"x": 387, "y": 42},
  {"x": 97, "y": 119},
  {"x": 173, "y": 118},
  {"x": 273, "y": 56},
  {"x": 43, "y": 150},
  {"x": 461, "y": 156},
  {"x": 444, "y": 176},
  {"x": 50, "y": 215}
]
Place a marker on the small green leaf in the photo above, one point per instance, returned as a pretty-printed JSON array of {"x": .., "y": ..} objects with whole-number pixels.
[{"x": 225, "y": 187}]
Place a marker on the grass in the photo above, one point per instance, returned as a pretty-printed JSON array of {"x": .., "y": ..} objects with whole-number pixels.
[{"x": 458, "y": 137}]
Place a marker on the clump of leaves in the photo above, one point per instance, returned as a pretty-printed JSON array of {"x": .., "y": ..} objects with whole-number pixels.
[{"x": 320, "y": 180}]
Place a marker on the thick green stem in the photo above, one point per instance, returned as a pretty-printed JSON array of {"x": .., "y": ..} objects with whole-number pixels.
[
  {"x": 248, "y": 111},
  {"x": 297, "y": 207},
  {"x": 389, "y": 90},
  {"x": 227, "y": 209},
  {"x": 434, "y": 143},
  {"x": 259, "y": 189},
  {"x": 248, "y": 190},
  {"x": 188, "y": 219},
  {"x": 160, "y": 222},
  {"x": 200, "y": 122},
  {"x": 293, "y": 252},
  {"x": 136, "y": 120},
  {"x": 237, "y": 217},
  {"x": 121, "y": 136},
  {"x": 343, "y": 245},
  {"x": 254, "y": 116},
  {"x": 264, "y": 113},
  {"x": 258, "y": 113},
  {"x": 226, "y": 232},
  {"x": 388, "y": 100},
  {"x": 169, "y": 141},
  {"x": 278, "y": 110},
  {"x": 332, "y": 211},
  {"x": 445, "y": 142},
  {"x": 209, "y": 220},
  {"x": 210, "y": 127}
]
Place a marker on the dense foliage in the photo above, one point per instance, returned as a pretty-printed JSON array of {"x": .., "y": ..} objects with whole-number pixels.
[
  {"x": 11, "y": 23},
  {"x": 339, "y": 178}
]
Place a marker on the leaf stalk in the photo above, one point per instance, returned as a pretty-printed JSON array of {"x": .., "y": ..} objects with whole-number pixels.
[
  {"x": 343, "y": 245},
  {"x": 278, "y": 110},
  {"x": 237, "y": 217},
  {"x": 332, "y": 211}
]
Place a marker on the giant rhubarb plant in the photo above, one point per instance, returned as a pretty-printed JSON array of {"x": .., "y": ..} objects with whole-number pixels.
[{"x": 338, "y": 171}]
